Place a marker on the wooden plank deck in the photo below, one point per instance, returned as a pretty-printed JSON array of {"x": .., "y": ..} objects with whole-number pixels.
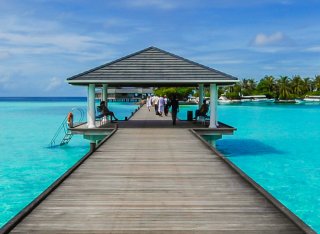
[{"x": 155, "y": 180}]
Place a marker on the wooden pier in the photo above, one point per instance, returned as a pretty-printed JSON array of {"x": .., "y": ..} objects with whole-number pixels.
[{"x": 155, "y": 180}]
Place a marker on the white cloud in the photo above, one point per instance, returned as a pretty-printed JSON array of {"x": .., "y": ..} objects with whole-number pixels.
[
  {"x": 7, "y": 83},
  {"x": 4, "y": 79},
  {"x": 30, "y": 36},
  {"x": 313, "y": 49},
  {"x": 54, "y": 83},
  {"x": 61, "y": 41},
  {"x": 4, "y": 54},
  {"x": 173, "y": 4},
  {"x": 264, "y": 40},
  {"x": 162, "y": 4}
]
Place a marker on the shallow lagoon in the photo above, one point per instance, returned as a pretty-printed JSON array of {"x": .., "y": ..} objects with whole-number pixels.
[
  {"x": 278, "y": 145},
  {"x": 27, "y": 165}
]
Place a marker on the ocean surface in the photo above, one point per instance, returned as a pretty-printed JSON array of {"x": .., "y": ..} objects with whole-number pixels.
[
  {"x": 277, "y": 145},
  {"x": 27, "y": 165}
]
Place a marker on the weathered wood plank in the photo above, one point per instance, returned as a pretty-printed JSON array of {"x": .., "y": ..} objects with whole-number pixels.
[{"x": 155, "y": 181}]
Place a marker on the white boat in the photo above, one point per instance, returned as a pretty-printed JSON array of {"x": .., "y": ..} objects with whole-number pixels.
[
  {"x": 255, "y": 98},
  {"x": 223, "y": 99},
  {"x": 299, "y": 101},
  {"x": 312, "y": 98}
]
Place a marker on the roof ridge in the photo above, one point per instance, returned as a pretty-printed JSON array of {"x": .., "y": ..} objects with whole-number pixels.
[
  {"x": 193, "y": 62},
  {"x": 110, "y": 63},
  {"x": 154, "y": 48}
]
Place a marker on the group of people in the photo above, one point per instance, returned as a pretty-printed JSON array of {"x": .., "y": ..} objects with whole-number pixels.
[{"x": 162, "y": 104}]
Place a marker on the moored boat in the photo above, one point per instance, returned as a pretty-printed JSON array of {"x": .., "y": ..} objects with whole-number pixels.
[
  {"x": 289, "y": 101},
  {"x": 255, "y": 98},
  {"x": 224, "y": 99},
  {"x": 312, "y": 98}
]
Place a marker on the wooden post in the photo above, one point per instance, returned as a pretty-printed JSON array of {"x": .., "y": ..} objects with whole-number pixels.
[{"x": 92, "y": 146}]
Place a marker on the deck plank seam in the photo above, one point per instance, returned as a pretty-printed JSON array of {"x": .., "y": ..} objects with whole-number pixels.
[{"x": 275, "y": 202}]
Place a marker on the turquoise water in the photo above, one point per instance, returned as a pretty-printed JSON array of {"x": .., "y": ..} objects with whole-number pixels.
[
  {"x": 277, "y": 145},
  {"x": 27, "y": 165}
]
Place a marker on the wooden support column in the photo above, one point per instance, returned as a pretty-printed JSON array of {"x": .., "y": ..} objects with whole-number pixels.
[
  {"x": 91, "y": 111},
  {"x": 213, "y": 105}
]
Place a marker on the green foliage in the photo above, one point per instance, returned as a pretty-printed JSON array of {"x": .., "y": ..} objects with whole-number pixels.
[
  {"x": 248, "y": 86},
  {"x": 233, "y": 96},
  {"x": 180, "y": 92},
  {"x": 315, "y": 93},
  {"x": 267, "y": 86},
  {"x": 281, "y": 88}
]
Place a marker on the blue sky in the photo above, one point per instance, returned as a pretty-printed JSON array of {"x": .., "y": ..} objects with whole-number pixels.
[{"x": 43, "y": 42}]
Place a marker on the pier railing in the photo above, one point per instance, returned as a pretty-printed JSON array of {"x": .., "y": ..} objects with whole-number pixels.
[{"x": 64, "y": 128}]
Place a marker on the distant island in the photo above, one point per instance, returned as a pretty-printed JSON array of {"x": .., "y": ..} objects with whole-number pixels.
[{"x": 282, "y": 90}]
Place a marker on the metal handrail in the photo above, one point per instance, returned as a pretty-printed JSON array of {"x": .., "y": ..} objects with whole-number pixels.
[
  {"x": 81, "y": 111},
  {"x": 64, "y": 125}
]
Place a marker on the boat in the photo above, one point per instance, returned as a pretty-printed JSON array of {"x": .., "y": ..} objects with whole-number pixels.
[
  {"x": 312, "y": 98},
  {"x": 223, "y": 99},
  {"x": 255, "y": 98},
  {"x": 289, "y": 101}
]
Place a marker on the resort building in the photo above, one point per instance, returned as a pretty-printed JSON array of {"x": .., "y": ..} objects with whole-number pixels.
[{"x": 125, "y": 94}]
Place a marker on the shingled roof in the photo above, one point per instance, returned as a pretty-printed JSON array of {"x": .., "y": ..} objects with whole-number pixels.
[{"x": 152, "y": 67}]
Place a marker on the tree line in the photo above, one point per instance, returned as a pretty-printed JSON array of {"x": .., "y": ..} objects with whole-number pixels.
[{"x": 283, "y": 88}]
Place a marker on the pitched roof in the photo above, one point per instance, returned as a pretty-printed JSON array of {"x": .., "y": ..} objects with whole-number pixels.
[{"x": 152, "y": 67}]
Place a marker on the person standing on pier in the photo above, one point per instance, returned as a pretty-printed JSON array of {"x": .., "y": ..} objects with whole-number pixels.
[
  {"x": 149, "y": 102},
  {"x": 155, "y": 101},
  {"x": 161, "y": 106},
  {"x": 174, "y": 109},
  {"x": 166, "y": 105}
]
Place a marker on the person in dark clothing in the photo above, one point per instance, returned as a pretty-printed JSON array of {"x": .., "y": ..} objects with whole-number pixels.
[
  {"x": 166, "y": 105},
  {"x": 105, "y": 111},
  {"x": 203, "y": 110},
  {"x": 174, "y": 109}
]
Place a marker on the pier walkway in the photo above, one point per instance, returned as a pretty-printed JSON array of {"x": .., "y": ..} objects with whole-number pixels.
[{"x": 155, "y": 180}]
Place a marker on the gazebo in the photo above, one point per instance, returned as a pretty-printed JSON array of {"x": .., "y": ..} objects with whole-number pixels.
[{"x": 152, "y": 67}]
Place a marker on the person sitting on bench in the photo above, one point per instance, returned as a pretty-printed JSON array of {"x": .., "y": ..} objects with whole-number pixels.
[
  {"x": 105, "y": 111},
  {"x": 202, "y": 111}
]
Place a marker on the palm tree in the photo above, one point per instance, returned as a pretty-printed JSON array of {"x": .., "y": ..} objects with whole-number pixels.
[
  {"x": 252, "y": 84},
  {"x": 248, "y": 86},
  {"x": 234, "y": 92},
  {"x": 269, "y": 83},
  {"x": 308, "y": 85},
  {"x": 284, "y": 90},
  {"x": 297, "y": 85},
  {"x": 267, "y": 86},
  {"x": 317, "y": 82}
]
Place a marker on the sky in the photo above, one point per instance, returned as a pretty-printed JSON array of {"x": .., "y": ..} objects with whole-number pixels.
[{"x": 43, "y": 42}]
